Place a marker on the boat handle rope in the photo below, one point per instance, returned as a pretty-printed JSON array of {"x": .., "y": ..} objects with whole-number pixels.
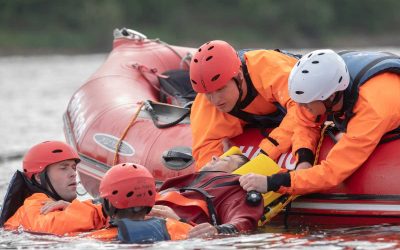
[
  {"x": 117, "y": 148},
  {"x": 148, "y": 107}
]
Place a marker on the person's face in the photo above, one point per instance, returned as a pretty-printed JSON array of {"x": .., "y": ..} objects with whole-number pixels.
[
  {"x": 62, "y": 176},
  {"x": 226, "y": 164},
  {"x": 316, "y": 107},
  {"x": 224, "y": 99}
]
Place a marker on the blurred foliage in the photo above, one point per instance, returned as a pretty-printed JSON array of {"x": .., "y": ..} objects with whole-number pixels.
[{"x": 86, "y": 26}]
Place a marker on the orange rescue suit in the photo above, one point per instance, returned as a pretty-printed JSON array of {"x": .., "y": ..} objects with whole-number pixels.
[
  {"x": 377, "y": 111},
  {"x": 269, "y": 71},
  {"x": 79, "y": 216}
]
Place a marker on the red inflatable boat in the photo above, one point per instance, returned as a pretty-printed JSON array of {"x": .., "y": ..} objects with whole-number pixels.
[{"x": 124, "y": 104}]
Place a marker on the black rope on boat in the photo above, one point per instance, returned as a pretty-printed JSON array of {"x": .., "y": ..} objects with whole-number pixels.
[{"x": 154, "y": 117}]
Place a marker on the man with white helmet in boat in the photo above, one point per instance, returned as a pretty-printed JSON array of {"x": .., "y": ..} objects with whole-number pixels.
[
  {"x": 360, "y": 92},
  {"x": 42, "y": 199},
  {"x": 239, "y": 88},
  {"x": 128, "y": 194}
]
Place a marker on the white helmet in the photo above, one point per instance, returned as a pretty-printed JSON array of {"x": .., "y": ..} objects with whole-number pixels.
[{"x": 318, "y": 75}]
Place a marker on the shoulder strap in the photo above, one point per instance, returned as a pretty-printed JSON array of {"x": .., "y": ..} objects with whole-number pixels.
[{"x": 251, "y": 90}]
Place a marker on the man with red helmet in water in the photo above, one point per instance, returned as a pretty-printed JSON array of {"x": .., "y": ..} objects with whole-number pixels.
[
  {"x": 244, "y": 87},
  {"x": 42, "y": 199},
  {"x": 128, "y": 194}
]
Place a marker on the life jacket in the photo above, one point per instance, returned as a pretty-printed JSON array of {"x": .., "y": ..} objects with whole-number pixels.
[
  {"x": 362, "y": 66},
  {"x": 143, "y": 231},
  {"x": 261, "y": 121},
  {"x": 18, "y": 190}
]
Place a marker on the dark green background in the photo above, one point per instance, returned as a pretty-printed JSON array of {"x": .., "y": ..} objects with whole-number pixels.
[{"x": 85, "y": 26}]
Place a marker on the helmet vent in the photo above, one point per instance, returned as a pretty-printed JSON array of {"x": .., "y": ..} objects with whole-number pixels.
[
  {"x": 320, "y": 54},
  {"x": 115, "y": 192},
  {"x": 199, "y": 49},
  {"x": 209, "y": 58},
  {"x": 150, "y": 192},
  {"x": 129, "y": 194},
  {"x": 340, "y": 79},
  {"x": 211, "y": 48},
  {"x": 196, "y": 61},
  {"x": 315, "y": 62},
  {"x": 298, "y": 63},
  {"x": 309, "y": 55},
  {"x": 215, "y": 77},
  {"x": 305, "y": 71},
  {"x": 193, "y": 81},
  {"x": 134, "y": 166},
  {"x": 56, "y": 151},
  {"x": 299, "y": 92},
  {"x": 124, "y": 165}
]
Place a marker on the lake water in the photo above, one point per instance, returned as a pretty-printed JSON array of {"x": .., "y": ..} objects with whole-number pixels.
[{"x": 34, "y": 93}]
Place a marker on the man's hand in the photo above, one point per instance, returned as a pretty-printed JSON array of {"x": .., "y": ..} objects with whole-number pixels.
[
  {"x": 303, "y": 165},
  {"x": 203, "y": 230},
  {"x": 164, "y": 212},
  {"x": 254, "y": 182},
  {"x": 51, "y": 206}
]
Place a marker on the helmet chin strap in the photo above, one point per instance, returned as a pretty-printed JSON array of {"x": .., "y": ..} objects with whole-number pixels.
[
  {"x": 44, "y": 179},
  {"x": 330, "y": 104},
  {"x": 240, "y": 89}
]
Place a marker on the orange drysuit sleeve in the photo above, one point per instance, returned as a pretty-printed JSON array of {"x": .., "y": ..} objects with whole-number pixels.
[
  {"x": 307, "y": 131},
  {"x": 79, "y": 216},
  {"x": 177, "y": 230},
  {"x": 269, "y": 71},
  {"x": 377, "y": 111}
]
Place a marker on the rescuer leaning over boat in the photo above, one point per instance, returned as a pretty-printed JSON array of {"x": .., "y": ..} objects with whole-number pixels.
[
  {"x": 248, "y": 87},
  {"x": 360, "y": 90}
]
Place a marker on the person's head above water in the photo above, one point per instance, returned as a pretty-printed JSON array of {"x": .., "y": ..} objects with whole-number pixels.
[
  {"x": 215, "y": 70},
  {"x": 226, "y": 164},
  {"x": 128, "y": 190},
  {"x": 51, "y": 165},
  {"x": 317, "y": 81}
]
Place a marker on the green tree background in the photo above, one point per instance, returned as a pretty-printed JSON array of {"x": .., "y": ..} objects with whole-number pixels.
[{"x": 85, "y": 26}]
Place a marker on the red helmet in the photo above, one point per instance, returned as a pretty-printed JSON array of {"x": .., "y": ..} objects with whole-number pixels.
[
  {"x": 213, "y": 65},
  {"x": 128, "y": 185},
  {"x": 46, "y": 153}
]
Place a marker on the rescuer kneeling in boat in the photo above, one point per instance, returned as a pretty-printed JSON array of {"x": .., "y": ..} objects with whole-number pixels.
[
  {"x": 128, "y": 194},
  {"x": 360, "y": 91},
  {"x": 214, "y": 200},
  {"x": 239, "y": 88},
  {"x": 42, "y": 199}
]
